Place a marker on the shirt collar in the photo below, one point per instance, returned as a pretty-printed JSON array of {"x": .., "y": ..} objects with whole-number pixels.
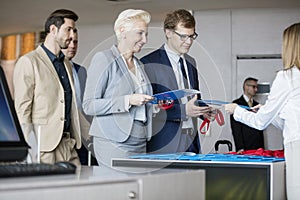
[
  {"x": 246, "y": 98},
  {"x": 51, "y": 55},
  {"x": 172, "y": 54}
]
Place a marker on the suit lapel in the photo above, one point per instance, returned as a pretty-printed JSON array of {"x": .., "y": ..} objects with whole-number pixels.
[
  {"x": 45, "y": 58},
  {"x": 164, "y": 58},
  {"x": 48, "y": 64},
  {"x": 68, "y": 67},
  {"x": 146, "y": 79},
  {"x": 122, "y": 66},
  {"x": 255, "y": 103},
  {"x": 243, "y": 101},
  {"x": 76, "y": 66},
  {"x": 190, "y": 73},
  {"x": 165, "y": 61}
]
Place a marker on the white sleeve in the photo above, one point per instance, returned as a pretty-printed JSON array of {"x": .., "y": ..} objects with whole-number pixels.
[
  {"x": 267, "y": 113},
  {"x": 278, "y": 123}
]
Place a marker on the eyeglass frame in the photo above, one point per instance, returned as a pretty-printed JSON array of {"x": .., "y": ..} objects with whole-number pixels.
[
  {"x": 184, "y": 37},
  {"x": 253, "y": 86}
]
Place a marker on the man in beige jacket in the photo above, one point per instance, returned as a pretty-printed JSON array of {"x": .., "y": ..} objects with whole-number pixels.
[{"x": 44, "y": 92}]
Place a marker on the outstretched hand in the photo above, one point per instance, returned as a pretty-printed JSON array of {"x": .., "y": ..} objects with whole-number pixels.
[
  {"x": 229, "y": 108},
  {"x": 256, "y": 108},
  {"x": 193, "y": 110}
]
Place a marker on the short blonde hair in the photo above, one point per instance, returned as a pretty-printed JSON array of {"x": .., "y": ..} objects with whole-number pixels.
[
  {"x": 126, "y": 19},
  {"x": 291, "y": 46}
]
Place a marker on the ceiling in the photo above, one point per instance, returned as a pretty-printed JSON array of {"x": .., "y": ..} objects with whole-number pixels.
[{"x": 29, "y": 15}]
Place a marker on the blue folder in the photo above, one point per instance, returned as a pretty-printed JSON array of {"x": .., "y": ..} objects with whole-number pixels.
[{"x": 173, "y": 95}]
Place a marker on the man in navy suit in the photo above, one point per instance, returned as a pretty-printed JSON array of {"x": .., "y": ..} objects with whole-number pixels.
[
  {"x": 79, "y": 77},
  {"x": 245, "y": 137},
  {"x": 170, "y": 68}
]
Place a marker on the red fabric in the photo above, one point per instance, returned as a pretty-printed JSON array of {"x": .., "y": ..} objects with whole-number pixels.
[{"x": 262, "y": 152}]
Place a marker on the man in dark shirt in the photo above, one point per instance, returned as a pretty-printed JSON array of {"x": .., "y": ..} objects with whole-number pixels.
[{"x": 44, "y": 92}]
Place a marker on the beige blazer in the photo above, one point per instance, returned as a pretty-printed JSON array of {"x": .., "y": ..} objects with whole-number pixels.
[{"x": 39, "y": 98}]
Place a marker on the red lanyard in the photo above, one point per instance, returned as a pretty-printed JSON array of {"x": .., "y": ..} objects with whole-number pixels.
[{"x": 206, "y": 122}]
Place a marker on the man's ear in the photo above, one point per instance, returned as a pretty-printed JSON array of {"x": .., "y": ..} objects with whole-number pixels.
[
  {"x": 169, "y": 33},
  {"x": 53, "y": 28}
]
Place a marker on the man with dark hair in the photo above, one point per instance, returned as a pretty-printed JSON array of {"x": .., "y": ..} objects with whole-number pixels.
[
  {"x": 171, "y": 68},
  {"x": 44, "y": 92},
  {"x": 245, "y": 137}
]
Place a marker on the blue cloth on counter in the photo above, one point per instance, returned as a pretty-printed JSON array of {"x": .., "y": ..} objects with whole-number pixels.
[{"x": 187, "y": 156}]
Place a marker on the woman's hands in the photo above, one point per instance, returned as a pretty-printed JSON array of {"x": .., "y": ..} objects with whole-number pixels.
[{"x": 139, "y": 99}]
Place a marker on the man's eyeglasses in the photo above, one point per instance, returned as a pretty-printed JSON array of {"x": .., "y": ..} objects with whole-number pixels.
[
  {"x": 254, "y": 86},
  {"x": 184, "y": 37}
]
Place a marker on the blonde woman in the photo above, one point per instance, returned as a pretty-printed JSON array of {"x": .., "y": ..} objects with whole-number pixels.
[
  {"x": 282, "y": 108},
  {"x": 118, "y": 91}
]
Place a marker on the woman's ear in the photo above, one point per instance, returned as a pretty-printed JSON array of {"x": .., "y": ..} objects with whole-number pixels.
[{"x": 123, "y": 32}]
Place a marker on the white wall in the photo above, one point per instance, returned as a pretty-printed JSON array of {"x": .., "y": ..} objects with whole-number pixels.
[
  {"x": 228, "y": 33},
  {"x": 212, "y": 51},
  {"x": 96, "y": 38},
  {"x": 223, "y": 34}
]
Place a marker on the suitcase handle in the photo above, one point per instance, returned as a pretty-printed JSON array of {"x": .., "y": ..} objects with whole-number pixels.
[{"x": 229, "y": 144}]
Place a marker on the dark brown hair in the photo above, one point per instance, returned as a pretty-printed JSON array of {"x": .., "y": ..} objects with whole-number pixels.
[
  {"x": 247, "y": 80},
  {"x": 179, "y": 16},
  {"x": 57, "y": 18}
]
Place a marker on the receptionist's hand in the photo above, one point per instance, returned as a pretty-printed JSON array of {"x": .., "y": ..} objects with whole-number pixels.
[{"x": 229, "y": 108}]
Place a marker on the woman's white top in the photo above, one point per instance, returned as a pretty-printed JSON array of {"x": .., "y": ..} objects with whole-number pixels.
[
  {"x": 140, "y": 84},
  {"x": 282, "y": 107}
]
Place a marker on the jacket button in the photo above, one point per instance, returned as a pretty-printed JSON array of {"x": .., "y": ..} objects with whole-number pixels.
[
  {"x": 61, "y": 101},
  {"x": 62, "y": 119}
]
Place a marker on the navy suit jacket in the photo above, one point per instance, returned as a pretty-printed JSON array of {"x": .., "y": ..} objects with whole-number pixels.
[
  {"x": 82, "y": 74},
  {"x": 167, "y": 124},
  {"x": 245, "y": 137}
]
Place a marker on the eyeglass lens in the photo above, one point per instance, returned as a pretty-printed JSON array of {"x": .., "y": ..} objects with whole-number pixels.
[{"x": 185, "y": 37}]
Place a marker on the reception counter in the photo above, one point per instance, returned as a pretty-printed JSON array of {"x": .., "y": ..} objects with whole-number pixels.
[
  {"x": 227, "y": 176},
  {"x": 94, "y": 183}
]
